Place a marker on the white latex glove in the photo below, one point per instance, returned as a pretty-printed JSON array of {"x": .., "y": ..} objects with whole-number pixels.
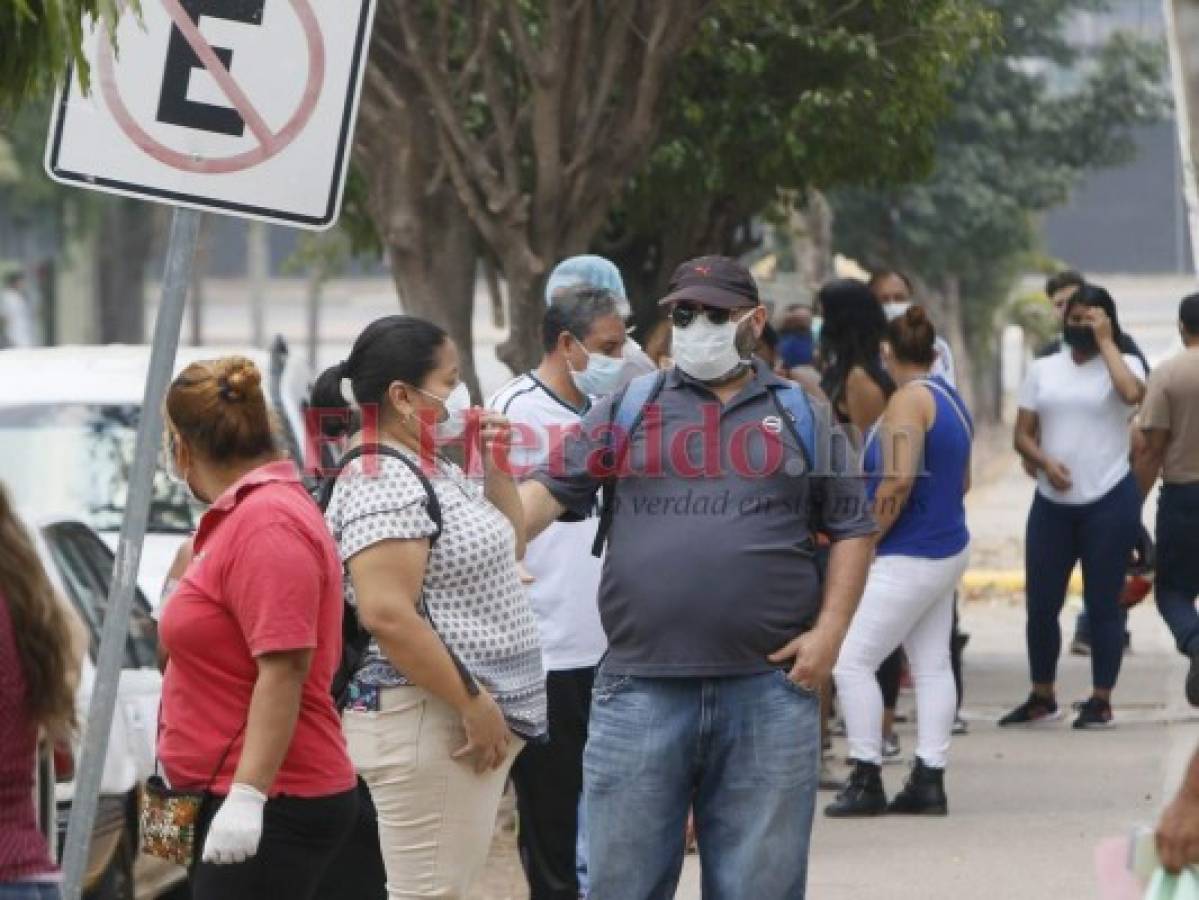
[{"x": 237, "y": 827}]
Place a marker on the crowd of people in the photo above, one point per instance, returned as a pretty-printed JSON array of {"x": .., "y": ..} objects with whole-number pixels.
[{"x": 351, "y": 681}]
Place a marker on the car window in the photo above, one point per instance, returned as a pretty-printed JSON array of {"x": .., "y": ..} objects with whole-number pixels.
[{"x": 87, "y": 564}]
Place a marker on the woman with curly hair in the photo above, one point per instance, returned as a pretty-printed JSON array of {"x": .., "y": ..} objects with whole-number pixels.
[{"x": 40, "y": 650}]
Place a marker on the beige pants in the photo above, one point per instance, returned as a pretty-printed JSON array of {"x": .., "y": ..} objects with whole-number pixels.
[{"x": 436, "y": 814}]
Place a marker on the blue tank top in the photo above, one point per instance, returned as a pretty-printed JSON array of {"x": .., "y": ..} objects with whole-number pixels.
[{"x": 932, "y": 524}]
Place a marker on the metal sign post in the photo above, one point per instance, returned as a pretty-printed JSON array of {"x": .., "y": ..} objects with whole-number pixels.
[{"x": 180, "y": 257}]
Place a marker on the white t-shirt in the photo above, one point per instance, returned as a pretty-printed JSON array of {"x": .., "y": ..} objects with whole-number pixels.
[
  {"x": 1084, "y": 423},
  {"x": 566, "y": 590},
  {"x": 943, "y": 366}
]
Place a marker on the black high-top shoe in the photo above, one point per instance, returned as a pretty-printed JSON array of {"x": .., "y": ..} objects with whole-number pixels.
[
  {"x": 923, "y": 795},
  {"x": 862, "y": 795}
]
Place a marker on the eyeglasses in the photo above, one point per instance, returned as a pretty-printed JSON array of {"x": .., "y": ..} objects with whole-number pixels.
[{"x": 684, "y": 315}]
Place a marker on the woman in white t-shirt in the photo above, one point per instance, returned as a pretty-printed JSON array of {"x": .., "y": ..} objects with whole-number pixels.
[{"x": 1072, "y": 427}]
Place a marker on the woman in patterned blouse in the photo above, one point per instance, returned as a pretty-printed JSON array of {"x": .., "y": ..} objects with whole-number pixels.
[{"x": 452, "y": 685}]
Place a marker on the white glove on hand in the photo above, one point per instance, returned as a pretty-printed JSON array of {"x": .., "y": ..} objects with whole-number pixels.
[{"x": 237, "y": 827}]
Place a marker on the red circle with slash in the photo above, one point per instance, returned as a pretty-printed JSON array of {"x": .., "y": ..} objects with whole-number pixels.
[{"x": 270, "y": 143}]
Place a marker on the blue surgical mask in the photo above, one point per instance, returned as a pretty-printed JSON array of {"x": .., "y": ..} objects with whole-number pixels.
[{"x": 601, "y": 376}]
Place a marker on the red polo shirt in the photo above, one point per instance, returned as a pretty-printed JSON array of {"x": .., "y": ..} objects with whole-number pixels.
[{"x": 265, "y": 578}]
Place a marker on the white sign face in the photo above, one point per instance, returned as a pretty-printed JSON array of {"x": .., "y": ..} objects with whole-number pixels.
[{"x": 244, "y": 107}]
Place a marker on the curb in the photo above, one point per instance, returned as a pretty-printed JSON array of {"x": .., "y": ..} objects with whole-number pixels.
[{"x": 1007, "y": 580}]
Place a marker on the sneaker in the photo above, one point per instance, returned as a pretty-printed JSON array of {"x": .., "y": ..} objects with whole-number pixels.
[
  {"x": 1080, "y": 647},
  {"x": 891, "y": 748},
  {"x": 1094, "y": 713},
  {"x": 960, "y": 727},
  {"x": 1033, "y": 711},
  {"x": 923, "y": 795},
  {"x": 862, "y": 796},
  {"x": 1193, "y": 680}
]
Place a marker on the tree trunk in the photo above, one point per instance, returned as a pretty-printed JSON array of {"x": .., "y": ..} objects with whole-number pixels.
[
  {"x": 123, "y": 244},
  {"x": 811, "y": 231},
  {"x": 440, "y": 287},
  {"x": 526, "y": 307},
  {"x": 431, "y": 242},
  {"x": 495, "y": 292}
]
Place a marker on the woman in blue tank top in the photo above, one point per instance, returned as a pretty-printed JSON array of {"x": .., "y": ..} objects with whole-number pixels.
[{"x": 918, "y": 461}]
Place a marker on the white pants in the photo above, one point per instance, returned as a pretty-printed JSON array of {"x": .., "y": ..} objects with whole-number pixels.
[
  {"x": 436, "y": 814},
  {"x": 907, "y": 601}
]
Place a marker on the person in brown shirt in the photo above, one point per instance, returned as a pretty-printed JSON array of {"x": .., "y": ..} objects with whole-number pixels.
[{"x": 1170, "y": 421}]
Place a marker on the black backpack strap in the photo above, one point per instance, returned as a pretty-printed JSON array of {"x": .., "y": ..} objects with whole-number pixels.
[
  {"x": 432, "y": 504},
  {"x": 627, "y": 413}
]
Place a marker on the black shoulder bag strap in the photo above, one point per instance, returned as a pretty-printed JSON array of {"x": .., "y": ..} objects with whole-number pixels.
[{"x": 433, "y": 508}]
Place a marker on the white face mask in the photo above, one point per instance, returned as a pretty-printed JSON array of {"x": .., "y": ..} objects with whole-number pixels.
[
  {"x": 602, "y": 375},
  {"x": 170, "y": 467},
  {"x": 457, "y": 405},
  {"x": 705, "y": 351},
  {"x": 895, "y": 310}
]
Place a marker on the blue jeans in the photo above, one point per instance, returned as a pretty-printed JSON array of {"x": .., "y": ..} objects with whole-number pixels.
[
  {"x": 1100, "y": 536},
  {"x": 1177, "y": 581},
  {"x": 30, "y": 890},
  {"x": 743, "y": 752}
]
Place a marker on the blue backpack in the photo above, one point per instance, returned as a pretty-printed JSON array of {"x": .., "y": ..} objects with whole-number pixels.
[{"x": 628, "y": 411}]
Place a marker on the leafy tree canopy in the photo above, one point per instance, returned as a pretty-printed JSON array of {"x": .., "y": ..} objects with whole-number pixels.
[
  {"x": 1027, "y": 122},
  {"x": 38, "y": 37},
  {"x": 791, "y": 95}
]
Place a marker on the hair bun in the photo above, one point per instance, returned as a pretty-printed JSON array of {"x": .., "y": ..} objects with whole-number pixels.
[
  {"x": 916, "y": 315},
  {"x": 239, "y": 379}
]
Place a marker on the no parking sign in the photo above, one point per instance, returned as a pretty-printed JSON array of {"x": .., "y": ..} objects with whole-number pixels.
[{"x": 235, "y": 106}]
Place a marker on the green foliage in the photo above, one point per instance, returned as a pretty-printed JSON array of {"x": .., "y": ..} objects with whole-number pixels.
[
  {"x": 39, "y": 37},
  {"x": 1033, "y": 313},
  {"x": 1017, "y": 142},
  {"x": 794, "y": 95}
]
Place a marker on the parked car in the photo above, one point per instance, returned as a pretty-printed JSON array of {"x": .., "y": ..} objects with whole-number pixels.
[
  {"x": 68, "y": 427},
  {"x": 80, "y": 565}
]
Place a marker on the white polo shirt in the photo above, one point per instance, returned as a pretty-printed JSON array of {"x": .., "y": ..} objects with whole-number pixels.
[
  {"x": 1084, "y": 423},
  {"x": 566, "y": 590}
]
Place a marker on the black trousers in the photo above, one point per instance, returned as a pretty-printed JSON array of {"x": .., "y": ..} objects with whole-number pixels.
[
  {"x": 300, "y": 837},
  {"x": 549, "y": 782},
  {"x": 356, "y": 872}
]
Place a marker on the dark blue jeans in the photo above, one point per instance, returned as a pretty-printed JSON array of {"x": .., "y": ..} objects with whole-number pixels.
[
  {"x": 1100, "y": 536},
  {"x": 1177, "y": 581},
  {"x": 743, "y": 752}
]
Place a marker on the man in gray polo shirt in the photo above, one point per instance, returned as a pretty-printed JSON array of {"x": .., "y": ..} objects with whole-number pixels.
[{"x": 720, "y": 632}]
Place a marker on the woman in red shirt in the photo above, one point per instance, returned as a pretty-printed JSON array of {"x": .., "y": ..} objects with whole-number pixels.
[
  {"x": 253, "y": 635},
  {"x": 39, "y": 666}
]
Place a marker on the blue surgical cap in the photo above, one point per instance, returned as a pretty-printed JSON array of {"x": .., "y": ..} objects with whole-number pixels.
[{"x": 595, "y": 271}]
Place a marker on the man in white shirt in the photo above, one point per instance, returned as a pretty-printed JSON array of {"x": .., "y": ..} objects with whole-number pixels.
[
  {"x": 17, "y": 327},
  {"x": 584, "y": 339}
]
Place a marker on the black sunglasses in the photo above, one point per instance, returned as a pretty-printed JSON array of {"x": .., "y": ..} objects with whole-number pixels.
[{"x": 684, "y": 315}]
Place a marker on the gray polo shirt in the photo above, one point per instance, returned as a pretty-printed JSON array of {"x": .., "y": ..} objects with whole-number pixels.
[{"x": 709, "y": 566}]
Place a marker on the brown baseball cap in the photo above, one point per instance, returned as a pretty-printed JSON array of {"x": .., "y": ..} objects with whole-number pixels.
[{"x": 715, "y": 281}]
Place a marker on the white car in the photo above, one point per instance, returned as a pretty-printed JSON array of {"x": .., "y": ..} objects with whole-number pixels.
[
  {"x": 80, "y": 564},
  {"x": 68, "y": 426}
]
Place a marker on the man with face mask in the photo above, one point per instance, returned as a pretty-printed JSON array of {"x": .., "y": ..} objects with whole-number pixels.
[
  {"x": 583, "y": 334},
  {"x": 720, "y": 633},
  {"x": 599, "y": 272}
]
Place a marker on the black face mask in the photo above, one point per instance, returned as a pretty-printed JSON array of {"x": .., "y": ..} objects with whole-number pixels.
[{"x": 1080, "y": 338}]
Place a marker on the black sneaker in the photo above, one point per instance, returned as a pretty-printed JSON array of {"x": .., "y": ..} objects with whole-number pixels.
[
  {"x": 1080, "y": 647},
  {"x": 1033, "y": 711},
  {"x": 1094, "y": 713},
  {"x": 1193, "y": 679},
  {"x": 862, "y": 795}
]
